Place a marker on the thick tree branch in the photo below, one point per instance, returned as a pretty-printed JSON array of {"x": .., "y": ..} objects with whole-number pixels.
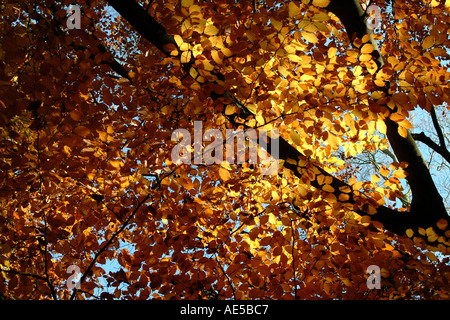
[
  {"x": 144, "y": 24},
  {"x": 433, "y": 145}
]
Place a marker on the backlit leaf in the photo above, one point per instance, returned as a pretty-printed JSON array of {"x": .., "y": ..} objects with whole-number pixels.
[
  {"x": 187, "y": 3},
  {"x": 294, "y": 10},
  {"x": 296, "y": 137},
  {"x": 224, "y": 174}
]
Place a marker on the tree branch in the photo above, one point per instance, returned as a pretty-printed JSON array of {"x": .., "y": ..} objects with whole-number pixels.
[
  {"x": 433, "y": 145},
  {"x": 437, "y": 127}
]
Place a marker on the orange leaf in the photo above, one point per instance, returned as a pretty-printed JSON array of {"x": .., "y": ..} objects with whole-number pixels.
[
  {"x": 367, "y": 48},
  {"x": 384, "y": 171},
  {"x": 76, "y": 115},
  {"x": 428, "y": 42},
  {"x": 82, "y": 131},
  {"x": 402, "y": 132},
  {"x": 224, "y": 174},
  {"x": 400, "y": 174},
  {"x": 442, "y": 224}
]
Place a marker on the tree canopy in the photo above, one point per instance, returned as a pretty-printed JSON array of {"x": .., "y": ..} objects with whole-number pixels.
[{"x": 91, "y": 113}]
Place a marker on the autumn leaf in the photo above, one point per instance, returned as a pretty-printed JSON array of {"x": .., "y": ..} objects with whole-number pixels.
[
  {"x": 224, "y": 174},
  {"x": 442, "y": 224},
  {"x": 187, "y": 3},
  {"x": 296, "y": 137},
  {"x": 294, "y": 10},
  {"x": 310, "y": 37},
  {"x": 321, "y": 3},
  {"x": 384, "y": 171},
  {"x": 428, "y": 42},
  {"x": 211, "y": 30}
]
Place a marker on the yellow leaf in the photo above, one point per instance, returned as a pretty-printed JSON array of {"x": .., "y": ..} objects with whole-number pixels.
[
  {"x": 409, "y": 233},
  {"x": 332, "y": 52},
  {"x": 195, "y": 8},
  {"x": 322, "y": 16},
  {"x": 333, "y": 141},
  {"x": 379, "y": 83},
  {"x": 367, "y": 48},
  {"x": 310, "y": 37},
  {"x": 85, "y": 96},
  {"x": 321, "y": 3},
  {"x": 185, "y": 57},
  {"x": 178, "y": 39},
  {"x": 399, "y": 174},
  {"x": 230, "y": 109},
  {"x": 216, "y": 57},
  {"x": 227, "y": 52},
  {"x": 375, "y": 178},
  {"x": 193, "y": 73},
  {"x": 276, "y": 24},
  {"x": 296, "y": 137},
  {"x": 224, "y": 174},
  {"x": 187, "y": 3},
  {"x": 211, "y": 30},
  {"x": 384, "y": 171},
  {"x": 328, "y": 188},
  {"x": 381, "y": 126},
  {"x": 294, "y": 10}
]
